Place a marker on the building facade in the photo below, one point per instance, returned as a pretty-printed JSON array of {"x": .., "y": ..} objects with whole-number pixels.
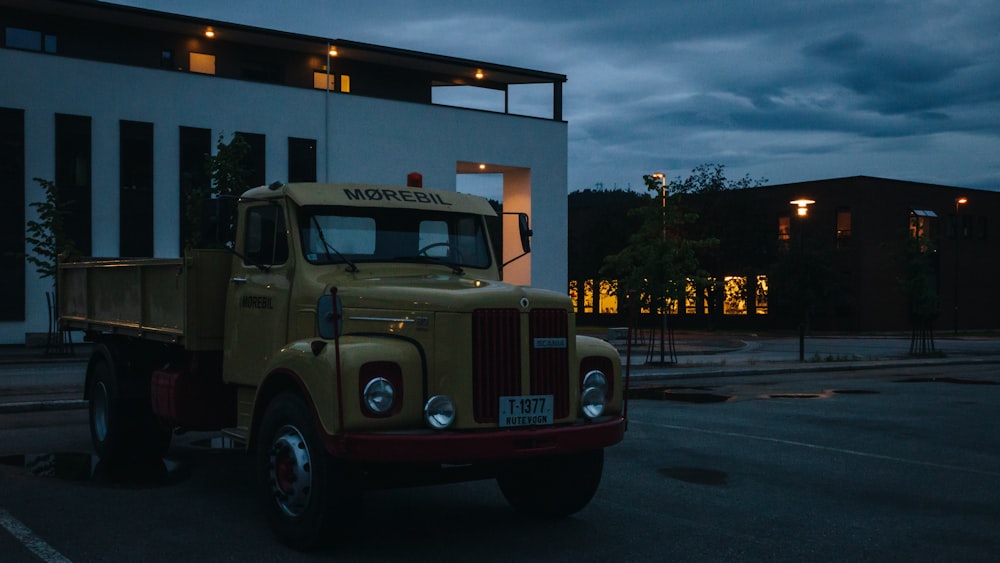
[
  {"x": 839, "y": 265},
  {"x": 119, "y": 106}
]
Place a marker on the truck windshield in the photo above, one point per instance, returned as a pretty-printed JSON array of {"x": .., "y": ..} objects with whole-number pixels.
[{"x": 371, "y": 234}]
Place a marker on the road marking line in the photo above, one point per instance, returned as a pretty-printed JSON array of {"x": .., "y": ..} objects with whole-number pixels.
[
  {"x": 824, "y": 448},
  {"x": 28, "y": 539}
]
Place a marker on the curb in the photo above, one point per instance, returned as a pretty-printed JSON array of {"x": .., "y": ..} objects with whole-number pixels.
[{"x": 36, "y": 406}]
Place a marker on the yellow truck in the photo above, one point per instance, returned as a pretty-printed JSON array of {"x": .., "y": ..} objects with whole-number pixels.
[{"x": 352, "y": 336}]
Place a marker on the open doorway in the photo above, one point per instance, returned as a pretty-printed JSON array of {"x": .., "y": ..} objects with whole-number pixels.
[{"x": 510, "y": 188}]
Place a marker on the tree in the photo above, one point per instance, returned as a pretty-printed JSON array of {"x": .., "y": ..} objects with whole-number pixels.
[
  {"x": 659, "y": 260},
  {"x": 739, "y": 250},
  {"x": 918, "y": 284},
  {"x": 207, "y": 211},
  {"x": 49, "y": 243},
  {"x": 47, "y": 236}
]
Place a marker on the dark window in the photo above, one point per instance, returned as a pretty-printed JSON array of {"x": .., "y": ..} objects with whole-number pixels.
[
  {"x": 29, "y": 40},
  {"x": 784, "y": 233},
  {"x": 265, "y": 242},
  {"x": 255, "y": 161},
  {"x": 981, "y": 228},
  {"x": 195, "y": 145},
  {"x": 73, "y": 176},
  {"x": 167, "y": 59},
  {"x": 843, "y": 227},
  {"x": 301, "y": 160},
  {"x": 136, "y": 184},
  {"x": 12, "y": 219}
]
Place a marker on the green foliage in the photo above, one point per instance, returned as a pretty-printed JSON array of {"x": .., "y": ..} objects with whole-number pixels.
[
  {"x": 229, "y": 178},
  {"x": 711, "y": 178},
  {"x": 47, "y": 236},
  {"x": 658, "y": 260},
  {"x": 918, "y": 280}
]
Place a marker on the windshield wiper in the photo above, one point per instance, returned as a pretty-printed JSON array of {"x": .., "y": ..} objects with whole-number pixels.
[
  {"x": 455, "y": 268},
  {"x": 327, "y": 248}
]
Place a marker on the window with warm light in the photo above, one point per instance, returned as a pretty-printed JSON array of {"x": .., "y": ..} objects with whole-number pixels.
[
  {"x": 202, "y": 63},
  {"x": 588, "y": 296},
  {"x": 608, "y": 298},
  {"x": 761, "y": 301},
  {"x": 735, "y": 295},
  {"x": 345, "y": 83},
  {"x": 573, "y": 294}
]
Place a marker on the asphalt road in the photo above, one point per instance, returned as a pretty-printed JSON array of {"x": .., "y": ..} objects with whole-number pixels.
[{"x": 881, "y": 465}]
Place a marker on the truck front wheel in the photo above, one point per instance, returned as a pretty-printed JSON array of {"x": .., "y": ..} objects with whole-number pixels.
[
  {"x": 553, "y": 486},
  {"x": 299, "y": 482}
]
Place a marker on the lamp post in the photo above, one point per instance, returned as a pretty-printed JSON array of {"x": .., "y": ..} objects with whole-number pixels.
[
  {"x": 959, "y": 201},
  {"x": 662, "y": 180},
  {"x": 802, "y": 210}
]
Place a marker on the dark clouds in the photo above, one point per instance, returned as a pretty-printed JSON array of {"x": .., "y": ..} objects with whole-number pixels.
[{"x": 783, "y": 89}]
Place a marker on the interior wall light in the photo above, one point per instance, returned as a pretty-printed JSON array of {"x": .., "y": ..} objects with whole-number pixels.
[{"x": 209, "y": 32}]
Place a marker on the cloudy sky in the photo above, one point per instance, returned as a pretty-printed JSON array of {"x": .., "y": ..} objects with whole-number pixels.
[{"x": 785, "y": 90}]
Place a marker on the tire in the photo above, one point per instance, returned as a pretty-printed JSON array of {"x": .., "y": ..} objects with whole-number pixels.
[
  {"x": 122, "y": 425},
  {"x": 302, "y": 488},
  {"x": 554, "y": 486},
  {"x": 106, "y": 408}
]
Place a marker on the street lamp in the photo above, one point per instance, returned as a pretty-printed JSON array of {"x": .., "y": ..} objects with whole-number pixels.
[
  {"x": 802, "y": 210},
  {"x": 662, "y": 180},
  {"x": 959, "y": 201}
]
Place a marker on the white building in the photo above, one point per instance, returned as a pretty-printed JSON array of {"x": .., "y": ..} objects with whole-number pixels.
[{"x": 119, "y": 105}]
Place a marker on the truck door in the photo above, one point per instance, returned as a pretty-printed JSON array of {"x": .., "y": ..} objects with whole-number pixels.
[{"x": 256, "y": 326}]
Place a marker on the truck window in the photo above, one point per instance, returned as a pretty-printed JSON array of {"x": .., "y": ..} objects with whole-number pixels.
[
  {"x": 266, "y": 241},
  {"x": 393, "y": 235}
]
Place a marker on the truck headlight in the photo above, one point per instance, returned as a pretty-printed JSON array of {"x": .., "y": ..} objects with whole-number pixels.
[
  {"x": 379, "y": 395},
  {"x": 439, "y": 412},
  {"x": 595, "y": 391}
]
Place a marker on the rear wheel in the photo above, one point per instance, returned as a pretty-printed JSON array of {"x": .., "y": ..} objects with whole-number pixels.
[
  {"x": 553, "y": 486},
  {"x": 301, "y": 486},
  {"x": 122, "y": 425}
]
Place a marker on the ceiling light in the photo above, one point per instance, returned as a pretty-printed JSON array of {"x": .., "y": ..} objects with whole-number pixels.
[
  {"x": 479, "y": 74},
  {"x": 209, "y": 32}
]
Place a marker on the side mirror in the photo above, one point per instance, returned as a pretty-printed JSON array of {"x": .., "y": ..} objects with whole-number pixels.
[
  {"x": 525, "y": 231},
  {"x": 330, "y": 316}
]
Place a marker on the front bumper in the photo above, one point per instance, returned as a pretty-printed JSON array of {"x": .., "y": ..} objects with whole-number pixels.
[{"x": 459, "y": 447}]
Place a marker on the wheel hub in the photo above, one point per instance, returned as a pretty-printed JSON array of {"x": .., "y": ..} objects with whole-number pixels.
[{"x": 290, "y": 471}]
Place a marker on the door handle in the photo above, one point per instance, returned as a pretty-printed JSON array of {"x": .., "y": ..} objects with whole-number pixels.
[{"x": 238, "y": 280}]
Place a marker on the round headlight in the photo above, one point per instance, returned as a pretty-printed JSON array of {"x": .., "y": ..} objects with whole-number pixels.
[
  {"x": 379, "y": 395},
  {"x": 592, "y": 402},
  {"x": 596, "y": 378},
  {"x": 439, "y": 412}
]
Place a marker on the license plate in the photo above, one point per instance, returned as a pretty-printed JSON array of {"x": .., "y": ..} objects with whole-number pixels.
[{"x": 526, "y": 410}]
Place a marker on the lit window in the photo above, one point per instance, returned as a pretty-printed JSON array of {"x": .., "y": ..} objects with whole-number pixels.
[
  {"x": 202, "y": 63},
  {"x": 735, "y": 302},
  {"x": 324, "y": 81},
  {"x": 588, "y": 296},
  {"x": 345, "y": 83},
  {"x": 609, "y": 299},
  {"x": 573, "y": 294},
  {"x": 761, "y": 295}
]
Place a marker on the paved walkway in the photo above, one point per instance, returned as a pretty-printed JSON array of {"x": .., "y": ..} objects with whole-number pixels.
[{"x": 30, "y": 381}]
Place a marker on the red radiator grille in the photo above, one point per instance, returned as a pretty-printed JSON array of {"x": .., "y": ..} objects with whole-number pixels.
[
  {"x": 496, "y": 357},
  {"x": 548, "y": 330}
]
